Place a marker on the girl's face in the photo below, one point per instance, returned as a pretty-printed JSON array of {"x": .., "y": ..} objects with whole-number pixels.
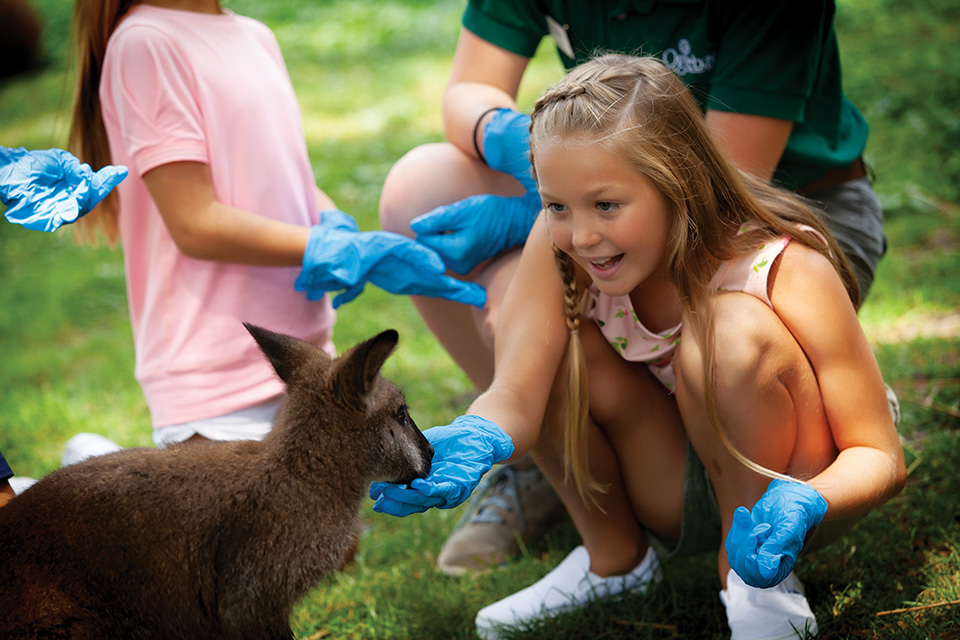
[{"x": 606, "y": 215}]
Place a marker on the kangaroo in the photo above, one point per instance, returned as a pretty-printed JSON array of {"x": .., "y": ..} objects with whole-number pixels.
[{"x": 216, "y": 540}]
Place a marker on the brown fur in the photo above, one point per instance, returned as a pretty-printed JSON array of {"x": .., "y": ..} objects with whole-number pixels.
[{"x": 212, "y": 540}]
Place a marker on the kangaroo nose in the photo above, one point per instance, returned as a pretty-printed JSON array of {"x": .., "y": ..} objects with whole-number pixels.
[{"x": 428, "y": 452}]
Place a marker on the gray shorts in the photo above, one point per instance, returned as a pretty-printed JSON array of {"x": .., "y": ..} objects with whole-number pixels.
[{"x": 852, "y": 212}]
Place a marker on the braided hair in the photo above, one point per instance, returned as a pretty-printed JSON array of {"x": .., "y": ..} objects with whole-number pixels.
[{"x": 576, "y": 405}]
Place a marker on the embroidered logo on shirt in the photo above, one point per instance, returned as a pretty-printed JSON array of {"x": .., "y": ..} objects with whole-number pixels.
[{"x": 682, "y": 61}]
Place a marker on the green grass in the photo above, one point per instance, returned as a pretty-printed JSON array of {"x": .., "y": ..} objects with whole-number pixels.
[{"x": 369, "y": 77}]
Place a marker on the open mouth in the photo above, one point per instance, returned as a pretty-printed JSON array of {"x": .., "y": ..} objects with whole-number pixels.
[{"x": 606, "y": 264}]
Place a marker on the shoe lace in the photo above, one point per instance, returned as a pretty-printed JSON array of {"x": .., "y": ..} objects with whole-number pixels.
[{"x": 499, "y": 491}]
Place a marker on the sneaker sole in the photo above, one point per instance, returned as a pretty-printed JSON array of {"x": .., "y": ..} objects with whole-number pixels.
[{"x": 795, "y": 634}]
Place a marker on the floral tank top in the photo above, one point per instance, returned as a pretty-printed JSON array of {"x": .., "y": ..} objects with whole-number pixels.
[{"x": 618, "y": 321}]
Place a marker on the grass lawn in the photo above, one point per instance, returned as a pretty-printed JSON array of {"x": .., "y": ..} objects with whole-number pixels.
[{"x": 369, "y": 77}]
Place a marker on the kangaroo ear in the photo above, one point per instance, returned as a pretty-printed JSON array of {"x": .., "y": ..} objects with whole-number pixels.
[
  {"x": 285, "y": 353},
  {"x": 357, "y": 369}
]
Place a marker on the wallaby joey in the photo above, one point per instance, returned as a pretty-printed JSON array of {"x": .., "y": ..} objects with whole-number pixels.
[{"x": 212, "y": 540}]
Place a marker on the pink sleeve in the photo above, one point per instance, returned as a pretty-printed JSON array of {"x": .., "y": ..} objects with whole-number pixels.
[{"x": 153, "y": 91}]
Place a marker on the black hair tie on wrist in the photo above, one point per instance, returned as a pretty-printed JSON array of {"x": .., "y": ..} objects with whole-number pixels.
[{"x": 476, "y": 129}]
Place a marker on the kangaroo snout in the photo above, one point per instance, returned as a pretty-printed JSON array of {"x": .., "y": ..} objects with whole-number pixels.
[{"x": 424, "y": 471}]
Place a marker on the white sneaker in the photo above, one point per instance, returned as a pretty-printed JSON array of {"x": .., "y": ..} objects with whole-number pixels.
[
  {"x": 86, "y": 445},
  {"x": 778, "y": 613},
  {"x": 570, "y": 585},
  {"x": 19, "y": 484}
]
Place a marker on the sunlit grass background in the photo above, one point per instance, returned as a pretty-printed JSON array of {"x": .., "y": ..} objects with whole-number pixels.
[{"x": 369, "y": 77}]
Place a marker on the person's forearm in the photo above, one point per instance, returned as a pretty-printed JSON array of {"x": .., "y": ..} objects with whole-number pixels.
[
  {"x": 207, "y": 229},
  {"x": 512, "y": 412},
  {"x": 463, "y": 105},
  {"x": 223, "y": 233},
  {"x": 754, "y": 143},
  {"x": 860, "y": 479}
]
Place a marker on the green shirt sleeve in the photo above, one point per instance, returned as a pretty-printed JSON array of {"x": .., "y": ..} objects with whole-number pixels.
[
  {"x": 768, "y": 55},
  {"x": 517, "y": 26}
]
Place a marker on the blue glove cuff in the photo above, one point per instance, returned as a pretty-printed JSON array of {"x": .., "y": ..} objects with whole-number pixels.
[
  {"x": 802, "y": 496},
  {"x": 336, "y": 219},
  {"x": 500, "y": 444},
  {"x": 506, "y": 145}
]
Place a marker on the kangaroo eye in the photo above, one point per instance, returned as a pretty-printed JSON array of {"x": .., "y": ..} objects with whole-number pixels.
[{"x": 403, "y": 416}]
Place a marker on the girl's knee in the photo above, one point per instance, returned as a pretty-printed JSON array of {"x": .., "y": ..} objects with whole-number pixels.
[
  {"x": 409, "y": 188},
  {"x": 434, "y": 175},
  {"x": 767, "y": 399},
  {"x": 751, "y": 344}
]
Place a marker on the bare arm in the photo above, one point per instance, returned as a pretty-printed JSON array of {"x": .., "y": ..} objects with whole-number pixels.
[
  {"x": 531, "y": 340},
  {"x": 754, "y": 143},
  {"x": 484, "y": 76},
  {"x": 812, "y": 302},
  {"x": 206, "y": 229}
]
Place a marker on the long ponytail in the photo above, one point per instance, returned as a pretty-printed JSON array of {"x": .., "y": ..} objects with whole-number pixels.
[{"x": 93, "y": 23}]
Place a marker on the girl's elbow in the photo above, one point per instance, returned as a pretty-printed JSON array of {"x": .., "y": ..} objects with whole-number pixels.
[
  {"x": 900, "y": 472},
  {"x": 193, "y": 243},
  {"x": 896, "y": 475}
]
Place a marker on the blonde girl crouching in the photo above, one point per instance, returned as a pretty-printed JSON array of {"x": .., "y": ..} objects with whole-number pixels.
[{"x": 701, "y": 340}]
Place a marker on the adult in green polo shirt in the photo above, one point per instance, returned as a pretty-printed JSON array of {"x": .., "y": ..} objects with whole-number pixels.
[
  {"x": 768, "y": 77},
  {"x": 738, "y": 56}
]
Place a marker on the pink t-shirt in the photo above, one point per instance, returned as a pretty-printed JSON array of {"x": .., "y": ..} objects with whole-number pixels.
[{"x": 184, "y": 86}]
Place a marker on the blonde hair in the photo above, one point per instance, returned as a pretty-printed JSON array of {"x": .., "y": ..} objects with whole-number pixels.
[
  {"x": 93, "y": 23},
  {"x": 575, "y": 411},
  {"x": 641, "y": 111}
]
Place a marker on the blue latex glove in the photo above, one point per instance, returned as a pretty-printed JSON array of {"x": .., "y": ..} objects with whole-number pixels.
[
  {"x": 477, "y": 228},
  {"x": 339, "y": 256},
  {"x": 463, "y": 451},
  {"x": 46, "y": 188},
  {"x": 763, "y": 544},
  {"x": 506, "y": 146}
]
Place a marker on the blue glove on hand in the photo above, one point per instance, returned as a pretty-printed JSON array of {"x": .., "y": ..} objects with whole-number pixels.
[
  {"x": 763, "y": 544},
  {"x": 339, "y": 256},
  {"x": 506, "y": 146},
  {"x": 47, "y": 188},
  {"x": 477, "y": 228},
  {"x": 462, "y": 452}
]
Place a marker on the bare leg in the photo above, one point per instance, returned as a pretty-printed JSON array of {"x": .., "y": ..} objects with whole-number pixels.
[
  {"x": 6, "y": 493},
  {"x": 425, "y": 178},
  {"x": 768, "y": 404},
  {"x": 637, "y": 449}
]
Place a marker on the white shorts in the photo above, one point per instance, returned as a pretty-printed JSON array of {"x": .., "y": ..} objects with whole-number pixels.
[{"x": 252, "y": 423}]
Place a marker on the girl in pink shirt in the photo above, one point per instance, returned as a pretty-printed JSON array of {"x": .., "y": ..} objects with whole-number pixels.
[{"x": 220, "y": 219}]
